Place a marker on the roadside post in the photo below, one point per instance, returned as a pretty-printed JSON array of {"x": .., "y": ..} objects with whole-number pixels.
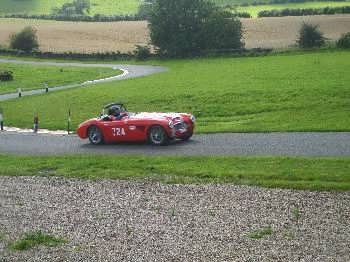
[
  {"x": 68, "y": 125},
  {"x": 1, "y": 119},
  {"x": 46, "y": 85},
  {"x": 36, "y": 123},
  {"x": 19, "y": 92}
]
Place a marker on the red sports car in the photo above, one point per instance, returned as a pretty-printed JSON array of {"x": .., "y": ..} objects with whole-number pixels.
[{"x": 119, "y": 125}]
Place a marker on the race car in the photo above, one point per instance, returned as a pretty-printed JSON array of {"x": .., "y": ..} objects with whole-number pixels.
[{"x": 119, "y": 125}]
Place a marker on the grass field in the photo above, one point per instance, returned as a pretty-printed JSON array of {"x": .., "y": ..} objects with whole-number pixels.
[
  {"x": 297, "y": 173},
  {"x": 254, "y": 10},
  {"x": 113, "y": 7},
  {"x": 107, "y": 7},
  {"x": 28, "y": 77},
  {"x": 296, "y": 92}
]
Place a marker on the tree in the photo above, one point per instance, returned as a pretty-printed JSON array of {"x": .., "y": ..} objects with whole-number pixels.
[
  {"x": 145, "y": 9},
  {"x": 82, "y": 6},
  {"x": 186, "y": 27},
  {"x": 310, "y": 36},
  {"x": 77, "y": 7},
  {"x": 344, "y": 41},
  {"x": 26, "y": 40}
]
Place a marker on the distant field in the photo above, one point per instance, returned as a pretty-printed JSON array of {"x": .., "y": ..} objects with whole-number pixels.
[
  {"x": 274, "y": 32},
  {"x": 114, "y": 7},
  {"x": 80, "y": 37},
  {"x": 297, "y": 92},
  {"x": 107, "y": 7},
  {"x": 282, "y": 32},
  {"x": 254, "y": 10},
  {"x": 30, "y": 77}
]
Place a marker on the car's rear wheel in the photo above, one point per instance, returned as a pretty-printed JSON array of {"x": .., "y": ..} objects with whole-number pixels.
[
  {"x": 95, "y": 135},
  {"x": 158, "y": 136}
]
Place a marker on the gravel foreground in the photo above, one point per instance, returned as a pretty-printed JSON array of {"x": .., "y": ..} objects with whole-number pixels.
[{"x": 144, "y": 221}]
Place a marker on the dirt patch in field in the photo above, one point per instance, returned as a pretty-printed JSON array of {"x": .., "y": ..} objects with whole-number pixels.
[{"x": 275, "y": 32}]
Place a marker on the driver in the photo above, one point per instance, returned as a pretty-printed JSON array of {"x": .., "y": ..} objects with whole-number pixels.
[{"x": 114, "y": 113}]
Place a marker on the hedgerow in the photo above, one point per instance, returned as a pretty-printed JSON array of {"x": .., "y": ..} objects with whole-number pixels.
[
  {"x": 305, "y": 11},
  {"x": 79, "y": 18}
]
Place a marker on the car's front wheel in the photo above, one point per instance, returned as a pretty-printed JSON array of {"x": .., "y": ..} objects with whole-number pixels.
[
  {"x": 187, "y": 137},
  {"x": 158, "y": 136},
  {"x": 95, "y": 135}
]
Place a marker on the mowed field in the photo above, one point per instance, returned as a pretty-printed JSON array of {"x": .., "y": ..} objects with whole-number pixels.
[
  {"x": 28, "y": 77},
  {"x": 274, "y": 32},
  {"x": 295, "y": 92},
  {"x": 113, "y": 7},
  {"x": 107, "y": 7},
  {"x": 80, "y": 37}
]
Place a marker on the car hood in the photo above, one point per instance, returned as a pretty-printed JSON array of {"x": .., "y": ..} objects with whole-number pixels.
[{"x": 160, "y": 116}]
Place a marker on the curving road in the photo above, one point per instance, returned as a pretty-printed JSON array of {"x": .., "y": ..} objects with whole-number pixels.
[
  {"x": 129, "y": 71},
  {"x": 259, "y": 144},
  {"x": 244, "y": 144}
]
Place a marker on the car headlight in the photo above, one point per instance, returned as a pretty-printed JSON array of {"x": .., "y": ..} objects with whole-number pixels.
[
  {"x": 193, "y": 118},
  {"x": 171, "y": 124}
]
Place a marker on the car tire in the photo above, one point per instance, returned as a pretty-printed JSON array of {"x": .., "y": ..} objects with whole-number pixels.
[
  {"x": 186, "y": 138},
  {"x": 157, "y": 136},
  {"x": 95, "y": 135}
]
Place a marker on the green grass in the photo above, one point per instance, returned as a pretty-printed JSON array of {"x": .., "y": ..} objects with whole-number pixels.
[
  {"x": 295, "y": 92},
  {"x": 254, "y": 10},
  {"x": 30, "y": 77},
  {"x": 236, "y": 2},
  {"x": 36, "y": 238},
  {"x": 296, "y": 213},
  {"x": 113, "y": 7},
  {"x": 259, "y": 234},
  {"x": 107, "y": 7},
  {"x": 281, "y": 172}
]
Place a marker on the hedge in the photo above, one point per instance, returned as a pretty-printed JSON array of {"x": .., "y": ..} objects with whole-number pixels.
[
  {"x": 79, "y": 18},
  {"x": 283, "y": 2},
  {"x": 95, "y": 18},
  {"x": 134, "y": 55},
  {"x": 306, "y": 11}
]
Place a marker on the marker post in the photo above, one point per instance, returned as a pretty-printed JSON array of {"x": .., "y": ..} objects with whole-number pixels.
[
  {"x": 68, "y": 124},
  {"x": 19, "y": 92},
  {"x": 36, "y": 123},
  {"x": 1, "y": 120},
  {"x": 46, "y": 85}
]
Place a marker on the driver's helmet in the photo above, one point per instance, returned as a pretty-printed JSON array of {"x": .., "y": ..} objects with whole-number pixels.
[{"x": 114, "y": 111}]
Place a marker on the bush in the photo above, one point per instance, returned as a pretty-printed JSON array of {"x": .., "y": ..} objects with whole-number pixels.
[
  {"x": 187, "y": 27},
  {"x": 6, "y": 76},
  {"x": 310, "y": 36},
  {"x": 77, "y": 7},
  {"x": 142, "y": 52},
  {"x": 145, "y": 9},
  {"x": 344, "y": 41},
  {"x": 26, "y": 40},
  {"x": 243, "y": 14}
]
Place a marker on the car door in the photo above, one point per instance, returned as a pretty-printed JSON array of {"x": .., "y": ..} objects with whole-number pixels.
[{"x": 115, "y": 131}]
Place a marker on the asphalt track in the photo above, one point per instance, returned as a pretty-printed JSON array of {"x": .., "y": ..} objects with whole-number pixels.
[
  {"x": 233, "y": 144},
  {"x": 129, "y": 71},
  {"x": 324, "y": 144}
]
